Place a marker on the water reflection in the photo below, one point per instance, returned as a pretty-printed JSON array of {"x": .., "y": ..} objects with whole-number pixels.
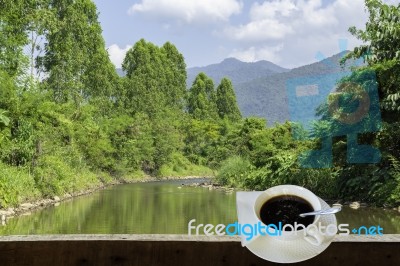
[
  {"x": 389, "y": 220},
  {"x": 157, "y": 208}
]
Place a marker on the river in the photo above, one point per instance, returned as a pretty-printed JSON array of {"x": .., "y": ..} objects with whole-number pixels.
[{"x": 163, "y": 207}]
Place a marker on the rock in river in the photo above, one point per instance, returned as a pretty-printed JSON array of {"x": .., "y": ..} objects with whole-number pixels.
[
  {"x": 355, "y": 205},
  {"x": 27, "y": 206},
  {"x": 56, "y": 198}
]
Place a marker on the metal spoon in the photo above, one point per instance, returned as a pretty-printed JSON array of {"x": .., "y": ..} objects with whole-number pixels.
[{"x": 332, "y": 210}]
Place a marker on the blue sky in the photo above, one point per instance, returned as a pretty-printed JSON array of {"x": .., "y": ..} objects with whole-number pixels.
[{"x": 286, "y": 32}]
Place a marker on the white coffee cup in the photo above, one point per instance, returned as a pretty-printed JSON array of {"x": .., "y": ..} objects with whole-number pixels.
[{"x": 312, "y": 234}]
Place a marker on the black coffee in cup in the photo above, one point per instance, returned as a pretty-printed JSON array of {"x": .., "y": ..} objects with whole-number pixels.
[{"x": 286, "y": 209}]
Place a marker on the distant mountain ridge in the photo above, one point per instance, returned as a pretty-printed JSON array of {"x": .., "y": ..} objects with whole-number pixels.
[
  {"x": 236, "y": 70},
  {"x": 261, "y": 86}
]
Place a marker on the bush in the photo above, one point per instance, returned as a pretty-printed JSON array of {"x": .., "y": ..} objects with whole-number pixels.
[
  {"x": 373, "y": 184},
  {"x": 16, "y": 185},
  {"x": 180, "y": 166},
  {"x": 56, "y": 177},
  {"x": 283, "y": 170},
  {"x": 234, "y": 171}
]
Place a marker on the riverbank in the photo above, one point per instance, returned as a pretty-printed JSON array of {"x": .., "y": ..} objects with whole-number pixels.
[
  {"x": 26, "y": 208},
  {"x": 355, "y": 205}
]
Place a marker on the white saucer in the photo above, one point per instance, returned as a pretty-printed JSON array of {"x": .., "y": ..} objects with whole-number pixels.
[{"x": 270, "y": 247}]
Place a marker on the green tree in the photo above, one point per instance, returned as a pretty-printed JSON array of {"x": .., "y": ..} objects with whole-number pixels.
[
  {"x": 75, "y": 58},
  {"x": 167, "y": 137},
  {"x": 13, "y": 36},
  {"x": 156, "y": 77},
  {"x": 382, "y": 52},
  {"x": 175, "y": 70},
  {"x": 202, "y": 99},
  {"x": 226, "y": 101},
  {"x": 201, "y": 139}
]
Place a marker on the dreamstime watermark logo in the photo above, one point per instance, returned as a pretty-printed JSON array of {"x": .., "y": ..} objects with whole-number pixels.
[
  {"x": 259, "y": 229},
  {"x": 335, "y": 102}
]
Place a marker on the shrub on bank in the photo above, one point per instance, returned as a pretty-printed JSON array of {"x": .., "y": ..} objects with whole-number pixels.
[
  {"x": 180, "y": 166},
  {"x": 234, "y": 172},
  {"x": 54, "y": 176},
  {"x": 16, "y": 185},
  {"x": 280, "y": 170}
]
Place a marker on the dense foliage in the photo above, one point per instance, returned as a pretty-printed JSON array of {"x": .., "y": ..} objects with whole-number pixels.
[
  {"x": 69, "y": 122},
  {"x": 270, "y": 157}
]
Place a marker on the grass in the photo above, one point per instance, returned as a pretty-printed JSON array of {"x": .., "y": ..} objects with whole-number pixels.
[
  {"x": 55, "y": 175},
  {"x": 180, "y": 166},
  {"x": 16, "y": 185}
]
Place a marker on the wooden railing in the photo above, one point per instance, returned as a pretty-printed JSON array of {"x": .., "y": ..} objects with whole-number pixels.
[{"x": 180, "y": 250}]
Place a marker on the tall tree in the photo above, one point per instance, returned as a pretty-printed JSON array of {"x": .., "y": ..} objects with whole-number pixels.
[
  {"x": 156, "y": 77},
  {"x": 202, "y": 98},
  {"x": 76, "y": 61},
  {"x": 175, "y": 67},
  {"x": 143, "y": 65},
  {"x": 12, "y": 36},
  {"x": 226, "y": 101}
]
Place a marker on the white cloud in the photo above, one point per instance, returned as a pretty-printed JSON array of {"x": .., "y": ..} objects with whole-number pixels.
[
  {"x": 188, "y": 11},
  {"x": 254, "y": 54},
  {"x": 259, "y": 30},
  {"x": 278, "y": 19},
  {"x": 117, "y": 54},
  {"x": 268, "y": 10},
  {"x": 304, "y": 27}
]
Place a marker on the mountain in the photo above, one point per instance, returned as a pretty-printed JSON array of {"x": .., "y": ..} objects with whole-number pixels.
[
  {"x": 237, "y": 71},
  {"x": 261, "y": 86}
]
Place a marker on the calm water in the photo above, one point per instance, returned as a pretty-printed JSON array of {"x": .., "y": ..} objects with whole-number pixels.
[{"x": 157, "y": 208}]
